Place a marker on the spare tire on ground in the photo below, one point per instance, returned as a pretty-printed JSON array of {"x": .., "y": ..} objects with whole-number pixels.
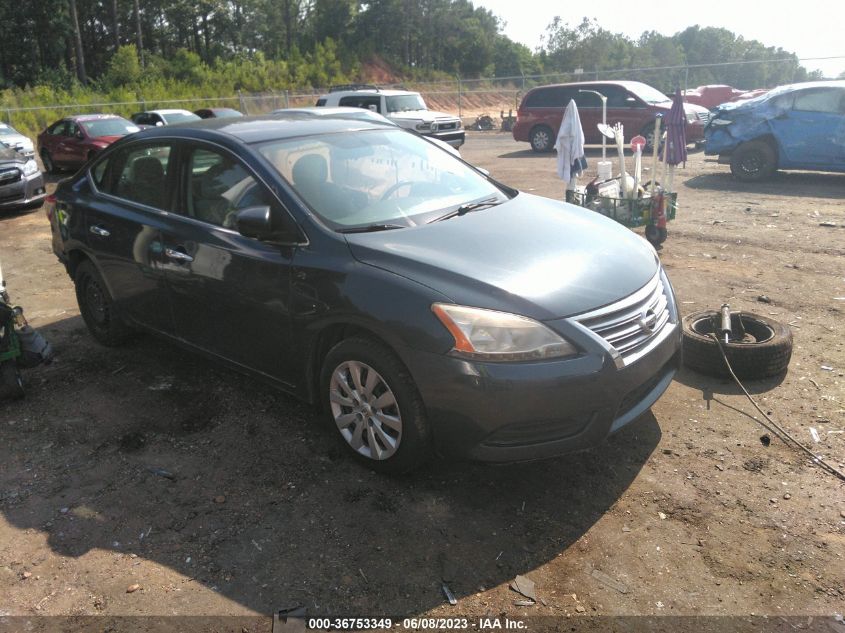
[{"x": 759, "y": 347}]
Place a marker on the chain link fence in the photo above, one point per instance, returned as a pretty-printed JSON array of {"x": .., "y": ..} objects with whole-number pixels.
[{"x": 496, "y": 96}]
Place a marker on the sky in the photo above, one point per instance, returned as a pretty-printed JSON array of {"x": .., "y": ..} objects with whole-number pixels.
[{"x": 810, "y": 28}]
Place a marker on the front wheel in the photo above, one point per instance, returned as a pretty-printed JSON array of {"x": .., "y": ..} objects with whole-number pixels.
[
  {"x": 753, "y": 161},
  {"x": 97, "y": 306},
  {"x": 47, "y": 161},
  {"x": 374, "y": 406},
  {"x": 542, "y": 139}
]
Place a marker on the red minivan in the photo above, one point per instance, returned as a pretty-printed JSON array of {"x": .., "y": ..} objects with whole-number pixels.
[{"x": 631, "y": 103}]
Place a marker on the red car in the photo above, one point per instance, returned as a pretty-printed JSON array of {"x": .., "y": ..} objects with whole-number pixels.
[
  {"x": 72, "y": 141},
  {"x": 711, "y": 96},
  {"x": 631, "y": 103}
]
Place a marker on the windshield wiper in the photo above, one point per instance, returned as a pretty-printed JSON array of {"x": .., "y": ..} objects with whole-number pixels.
[
  {"x": 467, "y": 208},
  {"x": 369, "y": 228}
]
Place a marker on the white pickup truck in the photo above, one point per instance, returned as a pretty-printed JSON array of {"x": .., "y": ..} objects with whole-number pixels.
[{"x": 406, "y": 109}]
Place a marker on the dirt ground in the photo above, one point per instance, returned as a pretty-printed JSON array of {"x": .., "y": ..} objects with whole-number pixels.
[{"x": 149, "y": 469}]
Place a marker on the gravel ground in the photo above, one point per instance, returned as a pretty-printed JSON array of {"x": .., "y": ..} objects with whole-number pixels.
[{"x": 144, "y": 481}]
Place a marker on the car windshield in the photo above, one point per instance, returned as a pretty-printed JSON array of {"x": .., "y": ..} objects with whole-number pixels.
[
  {"x": 7, "y": 129},
  {"x": 385, "y": 177},
  {"x": 179, "y": 117},
  {"x": 404, "y": 103},
  {"x": 109, "y": 127},
  {"x": 224, "y": 113},
  {"x": 648, "y": 94}
]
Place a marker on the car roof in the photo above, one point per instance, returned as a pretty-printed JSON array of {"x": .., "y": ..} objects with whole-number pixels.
[
  {"x": 625, "y": 83},
  {"x": 347, "y": 112},
  {"x": 254, "y": 129},
  {"x": 374, "y": 91},
  {"x": 93, "y": 117},
  {"x": 170, "y": 111}
]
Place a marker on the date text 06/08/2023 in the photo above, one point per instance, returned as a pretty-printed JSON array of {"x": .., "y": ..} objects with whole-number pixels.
[{"x": 416, "y": 624}]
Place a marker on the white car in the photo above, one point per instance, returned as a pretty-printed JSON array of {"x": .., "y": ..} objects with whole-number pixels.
[
  {"x": 406, "y": 109},
  {"x": 363, "y": 115},
  {"x": 10, "y": 137},
  {"x": 157, "y": 118}
]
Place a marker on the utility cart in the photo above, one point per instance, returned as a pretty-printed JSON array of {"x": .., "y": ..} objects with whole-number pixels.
[{"x": 650, "y": 211}]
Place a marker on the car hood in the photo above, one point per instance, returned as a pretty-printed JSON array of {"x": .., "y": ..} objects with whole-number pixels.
[
  {"x": 532, "y": 256},
  {"x": 10, "y": 155},
  {"x": 422, "y": 115},
  {"x": 111, "y": 138},
  {"x": 16, "y": 140}
]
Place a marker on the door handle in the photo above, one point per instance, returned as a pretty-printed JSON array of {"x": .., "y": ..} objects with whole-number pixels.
[
  {"x": 178, "y": 256},
  {"x": 98, "y": 230}
]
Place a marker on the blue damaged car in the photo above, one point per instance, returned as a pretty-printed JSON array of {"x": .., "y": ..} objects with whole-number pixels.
[{"x": 801, "y": 126}]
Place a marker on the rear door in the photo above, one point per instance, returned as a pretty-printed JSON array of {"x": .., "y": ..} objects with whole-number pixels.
[
  {"x": 133, "y": 189},
  {"x": 230, "y": 293},
  {"x": 812, "y": 133}
]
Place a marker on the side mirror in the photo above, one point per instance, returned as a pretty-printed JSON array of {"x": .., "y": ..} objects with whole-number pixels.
[
  {"x": 372, "y": 107},
  {"x": 159, "y": 124},
  {"x": 79, "y": 135},
  {"x": 255, "y": 222}
]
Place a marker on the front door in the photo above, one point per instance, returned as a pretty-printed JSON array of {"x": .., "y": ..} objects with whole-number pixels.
[{"x": 230, "y": 293}]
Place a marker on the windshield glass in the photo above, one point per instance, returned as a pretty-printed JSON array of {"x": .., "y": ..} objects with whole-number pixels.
[
  {"x": 109, "y": 127},
  {"x": 179, "y": 117},
  {"x": 404, "y": 103},
  {"x": 226, "y": 113},
  {"x": 386, "y": 176},
  {"x": 648, "y": 94},
  {"x": 7, "y": 129}
]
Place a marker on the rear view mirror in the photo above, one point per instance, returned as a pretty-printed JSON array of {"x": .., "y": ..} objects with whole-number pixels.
[{"x": 255, "y": 222}]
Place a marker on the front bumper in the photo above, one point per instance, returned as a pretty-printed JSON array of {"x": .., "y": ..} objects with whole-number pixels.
[
  {"x": 501, "y": 412},
  {"x": 453, "y": 138},
  {"x": 23, "y": 192}
]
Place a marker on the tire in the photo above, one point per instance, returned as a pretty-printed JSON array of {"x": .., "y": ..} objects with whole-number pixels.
[
  {"x": 753, "y": 161},
  {"x": 11, "y": 383},
  {"x": 765, "y": 351},
  {"x": 97, "y": 307},
  {"x": 49, "y": 165},
  {"x": 656, "y": 235},
  {"x": 352, "y": 403},
  {"x": 542, "y": 139}
]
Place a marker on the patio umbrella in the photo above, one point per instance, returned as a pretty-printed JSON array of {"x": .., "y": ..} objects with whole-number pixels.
[{"x": 675, "y": 150}]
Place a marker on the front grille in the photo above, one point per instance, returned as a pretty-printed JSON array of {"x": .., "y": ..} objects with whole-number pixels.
[
  {"x": 8, "y": 176},
  {"x": 704, "y": 117},
  {"x": 631, "y": 324},
  {"x": 18, "y": 195},
  {"x": 448, "y": 125},
  {"x": 538, "y": 431}
]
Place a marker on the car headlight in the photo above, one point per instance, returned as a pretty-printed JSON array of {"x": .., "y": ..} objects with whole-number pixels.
[
  {"x": 423, "y": 125},
  {"x": 30, "y": 167},
  {"x": 692, "y": 117},
  {"x": 499, "y": 336}
]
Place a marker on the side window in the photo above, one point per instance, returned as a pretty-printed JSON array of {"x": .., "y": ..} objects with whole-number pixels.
[
  {"x": 551, "y": 97},
  {"x": 361, "y": 101},
  {"x": 588, "y": 99},
  {"x": 98, "y": 173},
  {"x": 618, "y": 98},
  {"x": 73, "y": 130},
  {"x": 820, "y": 100},
  {"x": 59, "y": 129},
  {"x": 321, "y": 101},
  {"x": 138, "y": 174},
  {"x": 218, "y": 187}
]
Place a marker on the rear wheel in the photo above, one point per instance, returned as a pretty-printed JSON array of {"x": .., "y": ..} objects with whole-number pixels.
[
  {"x": 374, "y": 406},
  {"x": 753, "y": 161},
  {"x": 97, "y": 306},
  {"x": 542, "y": 139},
  {"x": 11, "y": 383}
]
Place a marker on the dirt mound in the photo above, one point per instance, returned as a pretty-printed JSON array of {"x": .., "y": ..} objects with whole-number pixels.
[{"x": 377, "y": 71}]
